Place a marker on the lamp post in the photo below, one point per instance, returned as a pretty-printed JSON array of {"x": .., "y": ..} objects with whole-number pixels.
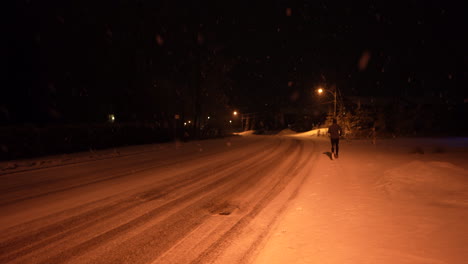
[
  {"x": 321, "y": 90},
  {"x": 234, "y": 114}
]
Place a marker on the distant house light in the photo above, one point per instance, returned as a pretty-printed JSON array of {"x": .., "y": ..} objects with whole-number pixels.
[{"x": 111, "y": 118}]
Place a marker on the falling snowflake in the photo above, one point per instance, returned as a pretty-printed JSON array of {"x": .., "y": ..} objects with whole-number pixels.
[
  {"x": 200, "y": 39},
  {"x": 159, "y": 40},
  {"x": 364, "y": 60}
]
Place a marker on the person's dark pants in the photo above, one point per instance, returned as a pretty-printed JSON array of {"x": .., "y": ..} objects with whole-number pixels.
[{"x": 335, "y": 143}]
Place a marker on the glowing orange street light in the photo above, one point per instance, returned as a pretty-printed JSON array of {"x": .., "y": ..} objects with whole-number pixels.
[{"x": 321, "y": 90}]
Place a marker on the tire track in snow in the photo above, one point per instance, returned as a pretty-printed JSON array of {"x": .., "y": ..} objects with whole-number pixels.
[
  {"x": 73, "y": 179},
  {"x": 213, "y": 253},
  {"x": 78, "y": 223},
  {"x": 144, "y": 248}
]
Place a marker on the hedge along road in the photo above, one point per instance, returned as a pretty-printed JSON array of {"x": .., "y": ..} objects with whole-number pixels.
[{"x": 211, "y": 201}]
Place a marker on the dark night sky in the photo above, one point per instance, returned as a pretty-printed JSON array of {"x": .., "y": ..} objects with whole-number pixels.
[{"x": 104, "y": 56}]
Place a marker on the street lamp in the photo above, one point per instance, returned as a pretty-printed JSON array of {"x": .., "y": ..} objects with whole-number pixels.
[
  {"x": 235, "y": 113},
  {"x": 321, "y": 90}
]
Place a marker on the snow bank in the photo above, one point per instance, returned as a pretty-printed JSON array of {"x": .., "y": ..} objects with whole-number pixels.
[
  {"x": 74, "y": 158},
  {"x": 429, "y": 180},
  {"x": 286, "y": 132},
  {"x": 314, "y": 132},
  {"x": 245, "y": 133}
]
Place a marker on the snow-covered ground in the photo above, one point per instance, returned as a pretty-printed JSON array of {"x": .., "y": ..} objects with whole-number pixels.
[
  {"x": 399, "y": 201},
  {"x": 243, "y": 199},
  {"x": 79, "y": 157}
]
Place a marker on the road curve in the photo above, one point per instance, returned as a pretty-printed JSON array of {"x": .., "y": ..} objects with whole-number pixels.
[{"x": 200, "y": 202}]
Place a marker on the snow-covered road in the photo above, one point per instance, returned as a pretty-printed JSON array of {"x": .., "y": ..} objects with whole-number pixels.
[
  {"x": 199, "y": 202},
  {"x": 249, "y": 199}
]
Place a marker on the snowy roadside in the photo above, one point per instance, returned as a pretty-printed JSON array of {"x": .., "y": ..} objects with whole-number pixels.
[
  {"x": 73, "y": 158},
  {"x": 400, "y": 201},
  {"x": 14, "y": 166}
]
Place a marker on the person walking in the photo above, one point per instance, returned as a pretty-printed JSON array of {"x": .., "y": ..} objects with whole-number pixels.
[{"x": 335, "y": 132}]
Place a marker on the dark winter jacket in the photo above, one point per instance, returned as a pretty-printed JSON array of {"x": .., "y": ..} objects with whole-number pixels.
[{"x": 335, "y": 131}]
